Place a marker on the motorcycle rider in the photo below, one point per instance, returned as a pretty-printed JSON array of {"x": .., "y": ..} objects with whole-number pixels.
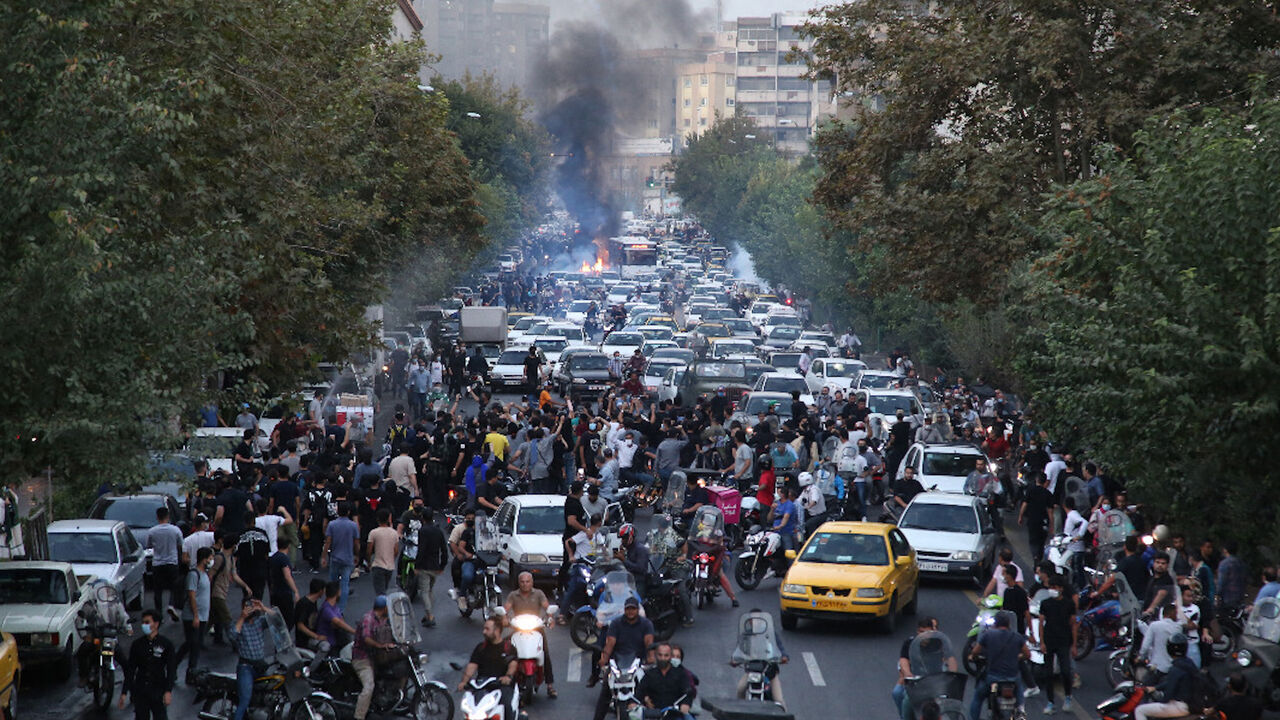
[
  {"x": 1004, "y": 650},
  {"x": 373, "y": 633},
  {"x": 528, "y": 600},
  {"x": 94, "y": 618},
  {"x": 634, "y": 556},
  {"x": 1177, "y": 687},
  {"x": 589, "y": 543},
  {"x": 775, "y": 686},
  {"x": 664, "y": 686},
  {"x": 494, "y": 657},
  {"x": 629, "y": 635},
  {"x": 899, "y": 694},
  {"x": 150, "y": 672},
  {"x": 1156, "y": 640},
  {"x": 813, "y": 503},
  {"x": 711, "y": 541},
  {"x": 667, "y": 543}
]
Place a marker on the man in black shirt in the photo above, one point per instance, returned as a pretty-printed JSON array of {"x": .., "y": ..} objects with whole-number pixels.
[
  {"x": 1133, "y": 567},
  {"x": 627, "y": 636},
  {"x": 575, "y": 521},
  {"x": 433, "y": 555},
  {"x": 1057, "y": 637},
  {"x": 250, "y": 568},
  {"x": 306, "y": 613},
  {"x": 494, "y": 657},
  {"x": 1160, "y": 588},
  {"x": 1035, "y": 513},
  {"x": 899, "y": 440},
  {"x": 532, "y": 369},
  {"x": 1238, "y": 705},
  {"x": 491, "y": 493},
  {"x": 233, "y": 503},
  {"x": 908, "y": 487},
  {"x": 664, "y": 686},
  {"x": 149, "y": 671}
]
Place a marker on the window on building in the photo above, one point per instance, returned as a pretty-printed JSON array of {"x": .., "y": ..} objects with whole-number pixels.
[
  {"x": 687, "y": 102},
  {"x": 688, "y": 82},
  {"x": 749, "y": 59},
  {"x": 702, "y": 102},
  {"x": 702, "y": 80},
  {"x": 653, "y": 123},
  {"x": 728, "y": 102},
  {"x": 728, "y": 81},
  {"x": 792, "y": 83},
  {"x": 702, "y": 122},
  {"x": 686, "y": 122},
  {"x": 753, "y": 84}
]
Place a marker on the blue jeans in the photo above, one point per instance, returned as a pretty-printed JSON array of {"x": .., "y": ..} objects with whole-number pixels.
[
  {"x": 861, "y": 489},
  {"x": 244, "y": 688},
  {"x": 341, "y": 571},
  {"x": 637, "y": 476},
  {"x": 468, "y": 576},
  {"x": 982, "y": 689},
  {"x": 568, "y": 602},
  {"x": 899, "y": 695}
]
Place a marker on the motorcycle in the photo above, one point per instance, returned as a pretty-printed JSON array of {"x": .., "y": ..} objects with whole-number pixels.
[
  {"x": 527, "y": 640},
  {"x": 1060, "y": 554},
  {"x": 1129, "y": 695},
  {"x": 931, "y": 680},
  {"x": 624, "y": 675},
  {"x": 401, "y": 687},
  {"x": 93, "y": 623},
  {"x": 1230, "y": 627},
  {"x": 706, "y": 540},
  {"x": 758, "y": 653},
  {"x": 482, "y": 700},
  {"x": 282, "y": 691},
  {"x": 608, "y": 590},
  {"x": 1003, "y": 701},
  {"x": 1123, "y": 664},
  {"x": 1103, "y": 623},
  {"x": 485, "y": 593},
  {"x": 1259, "y": 653},
  {"x": 757, "y": 559},
  {"x": 985, "y": 620}
]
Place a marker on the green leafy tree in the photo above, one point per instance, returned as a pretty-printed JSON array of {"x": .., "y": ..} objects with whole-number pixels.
[
  {"x": 1151, "y": 330},
  {"x": 972, "y": 111}
]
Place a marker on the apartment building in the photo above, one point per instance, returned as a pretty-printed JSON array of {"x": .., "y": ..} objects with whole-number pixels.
[{"x": 770, "y": 83}]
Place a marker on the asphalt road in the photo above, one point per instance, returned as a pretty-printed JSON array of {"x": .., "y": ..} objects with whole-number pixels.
[{"x": 837, "y": 669}]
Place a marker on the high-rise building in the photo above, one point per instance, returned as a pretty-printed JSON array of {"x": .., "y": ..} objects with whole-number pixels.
[
  {"x": 519, "y": 36},
  {"x": 504, "y": 39},
  {"x": 771, "y": 86},
  {"x": 705, "y": 91}
]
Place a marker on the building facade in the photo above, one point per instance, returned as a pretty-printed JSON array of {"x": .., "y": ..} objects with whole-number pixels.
[
  {"x": 705, "y": 90},
  {"x": 771, "y": 86}
]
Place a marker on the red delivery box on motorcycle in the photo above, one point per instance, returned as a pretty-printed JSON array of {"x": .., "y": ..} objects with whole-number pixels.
[{"x": 728, "y": 499}]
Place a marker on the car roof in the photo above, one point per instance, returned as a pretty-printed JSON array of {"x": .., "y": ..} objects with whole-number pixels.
[
  {"x": 85, "y": 525},
  {"x": 887, "y": 392},
  {"x": 954, "y": 447},
  {"x": 852, "y": 527},
  {"x": 537, "y": 500},
  {"x": 944, "y": 498},
  {"x": 134, "y": 496},
  {"x": 770, "y": 395}
]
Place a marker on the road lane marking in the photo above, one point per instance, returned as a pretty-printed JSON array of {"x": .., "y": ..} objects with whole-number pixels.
[
  {"x": 815, "y": 674},
  {"x": 575, "y": 665}
]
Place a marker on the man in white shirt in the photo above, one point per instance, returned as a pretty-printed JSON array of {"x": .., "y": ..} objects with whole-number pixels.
[
  {"x": 269, "y": 524},
  {"x": 1054, "y": 469},
  {"x": 402, "y": 472},
  {"x": 1075, "y": 527},
  {"x": 806, "y": 359},
  {"x": 201, "y": 536}
]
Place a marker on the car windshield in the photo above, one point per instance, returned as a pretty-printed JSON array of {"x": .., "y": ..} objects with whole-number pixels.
[
  {"x": 589, "y": 362},
  {"x": 673, "y": 352},
  {"x": 656, "y": 332},
  {"x": 890, "y": 404},
  {"x": 134, "y": 512},
  {"x": 942, "y": 463},
  {"x": 210, "y": 446},
  {"x": 524, "y": 323},
  {"x": 846, "y": 549},
  {"x": 82, "y": 547},
  {"x": 551, "y": 344},
  {"x": 580, "y": 306},
  {"x": 782, "y": 332},
  {"x": 758, "y": 404},
  {"x": 547, "y": 520},
  {"x": 33, "y": 586},
  {"x": 732, "y": 371},
  {"x": 940, "y": 518},
  {"x": 841, "y": 369},
  {"x": 785, "y": 360},
  {"x": 621, "y": 338},
  {"x": 660, "y": 368},
  {"x": 878, "y": 382},
  {"x": 566, "y": 332},
  {"x": 513, "y": 357},
  {"x": 732, "y": 348},
  {"x": 785, "y": 384}
]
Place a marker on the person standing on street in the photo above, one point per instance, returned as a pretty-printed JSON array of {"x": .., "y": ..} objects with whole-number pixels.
[
  {"x": 433, "y": 555},
  {"x": 150, "y": 672},
  {"x": 195, "y": 612},
  {"x": 1057, "y": 636},
  {"x": 165, "y": 541},
  {"x": 382, "y": 552},
  {"x": 1036, "y": 513},
  {"x": 341, "y": 545},
  {"x": 373, "y": 634},
  {"x": 280, "y": 582}
]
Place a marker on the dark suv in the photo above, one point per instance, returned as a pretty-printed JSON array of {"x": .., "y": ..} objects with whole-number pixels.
[
  {"x": 704, "y": 378},
  {"x": 584, "y": 374}
]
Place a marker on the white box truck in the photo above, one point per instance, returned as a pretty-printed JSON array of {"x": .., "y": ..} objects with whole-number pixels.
[{"x": 483, "y": 324}]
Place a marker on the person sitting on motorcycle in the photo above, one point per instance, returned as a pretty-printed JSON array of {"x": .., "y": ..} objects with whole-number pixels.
[
  {"x": 767, "y": 487},
  {"x": 711, "y": 541},
  {"x": 1176, "y": 690},
  {"x": 1156, "y": 641},
  {"x": 666, "y": 543},
  {"x": 665, "y": 687},
  {"x": 373, "y": 633},
  {"x": 899, "y": 694},
  {"x": 494, "y": 657},
  {"x": 814, "y": 504},
  {"x": 775, "y": 685},
  {"x": 1004, "y": 650},
  {"x": 94, "y": 619},
  {"x": 588, "y": 544},
  {"x": 628, "y": 635},
  {"x": 528, "y": 600},
  {"x": 462, "y": 542},
  {"x": 634, "y": 556}
]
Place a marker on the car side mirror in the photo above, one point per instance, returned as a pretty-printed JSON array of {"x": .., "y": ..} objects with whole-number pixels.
[
  {"x": 904, "y": 561},
  {"x": 75, "y": 596},
  {"x": 789, "y": 554}
]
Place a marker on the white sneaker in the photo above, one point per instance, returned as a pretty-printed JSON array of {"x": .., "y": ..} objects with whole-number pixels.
[{"x": 1031, "y": 692}]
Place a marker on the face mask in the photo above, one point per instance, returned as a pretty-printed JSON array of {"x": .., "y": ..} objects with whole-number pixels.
[
  {"x": 1105, "y": 507},
  {"x": 471, "y": 523},
  {"x": 664, "y": 664},
  {"x": 146, "y": 628},
  {"x": 574, "y": 422},
  {"x": 675, "y": 662},
  {"x": 592, "y": 426}
]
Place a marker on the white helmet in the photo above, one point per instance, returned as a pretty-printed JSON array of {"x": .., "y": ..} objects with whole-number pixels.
[
  {"x": 805, "y": 478},
  {"x": 1161, "y": 533}
]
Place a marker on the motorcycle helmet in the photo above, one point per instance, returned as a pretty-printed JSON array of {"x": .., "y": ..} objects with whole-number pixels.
[
  {"x": 805, "y": 479},
  {"x": 626, "y": 532},
  {"x": 1176, "y": 645},
  {"x": 1160, "y": 533},
  {"x": 766, "y": 462}
]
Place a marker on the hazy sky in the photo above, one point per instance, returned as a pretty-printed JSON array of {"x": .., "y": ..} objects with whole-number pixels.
[{"x": 585, "y": 10}]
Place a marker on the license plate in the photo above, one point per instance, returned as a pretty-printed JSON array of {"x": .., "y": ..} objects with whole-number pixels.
[
  {"x": 933, "y": 567},
  {"x": 828, "y": 604}
]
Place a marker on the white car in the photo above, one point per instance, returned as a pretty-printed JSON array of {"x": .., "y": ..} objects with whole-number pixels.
[
  {"x": 656, "y": 370},
  {"x": 573, "y": 334},
  {"x": 817, "y": 337},
  {"x": 876, "y": 379},
  {"x": 622, "y": 342},
  {"x": 105, "y": 549},
  {"x": 742, "y": 328},
  {"x": 508, "y": 371},
  {"x": 41, "y": 601},
  {"x": 551, "y": 346},
  {"x": 655, "y": 332},
  {"x": 576, "y": 313},
  {"x": 884, "y": 405},
  {"x": 759, "y": 312},
  {"x": 835, "y": 374},
  {"x": 506, "y": 263},
  {"x": 670, "y": 386},
  {"x": 732, "y": 347},
  {"x": 527, "y": 326},
  {"x": 945, "y": 466},
  {"x": 530, "y": 528},
  {"x": 783, "y": 383},
  {"x": 218, "y": 445},
  {"x": 953, "y": 535},
  {"x": 620, "y": 293}
]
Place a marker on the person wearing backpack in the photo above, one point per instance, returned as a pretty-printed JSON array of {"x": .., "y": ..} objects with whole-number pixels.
[{"x": 1179, "y": 693}]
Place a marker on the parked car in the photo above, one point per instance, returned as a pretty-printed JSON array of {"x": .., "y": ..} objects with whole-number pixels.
[
  {"x": 39, "y": 601},
  {"x": 106, "y": 549},
  {"x": 953, "y": 535},
  {"x": 138, "y": 511},
  {"x": 530, "y": 528}
]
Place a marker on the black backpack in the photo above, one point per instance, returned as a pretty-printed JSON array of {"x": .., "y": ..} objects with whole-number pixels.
[{"x": 1204, "y": 692}]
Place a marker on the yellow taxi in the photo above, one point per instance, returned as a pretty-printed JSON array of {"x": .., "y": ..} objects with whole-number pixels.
[
  {"x": 10, "y": 674},
  {"x": 663, "y": 320},
  {"x": 851, "y": 570},
  {"x": 512, "y": 317}
]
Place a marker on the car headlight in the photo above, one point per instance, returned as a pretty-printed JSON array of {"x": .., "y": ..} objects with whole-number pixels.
[
  {"x": 1245, "y": 658},
  {"x": 533, "y": 558},
  {"x": 50, "y": 639},
  {"x": 580, "y": 380},
  {"x": 963, "y": 555},
  {"x": 870, "y": 592},
  {"x": 793, "y": 588}
]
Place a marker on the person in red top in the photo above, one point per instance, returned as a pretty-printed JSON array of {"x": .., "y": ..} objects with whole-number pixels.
[
  {"x": 768, "y": 480},
  {"x": 996, "y": 447},
  {"x": 633, "y": 386}
]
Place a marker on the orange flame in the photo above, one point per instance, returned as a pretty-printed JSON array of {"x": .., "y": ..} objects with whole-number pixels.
[{"x": 597, "y": 268}]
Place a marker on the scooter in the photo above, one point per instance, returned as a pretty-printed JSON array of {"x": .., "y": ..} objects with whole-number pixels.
[
  {"x": 757, "y": 559},
  {"x": 985, "y": 620},
  {"x": 1128, "y": 696},
  {"x": 624, "y": 676},
  {"x": 526, "y": 638},
  {"x": 1003, "y": 701},
  {"x": 482, "y": 700}
]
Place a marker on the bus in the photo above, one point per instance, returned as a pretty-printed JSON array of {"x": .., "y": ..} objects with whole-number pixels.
[{"x": 633, "y": 255}]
